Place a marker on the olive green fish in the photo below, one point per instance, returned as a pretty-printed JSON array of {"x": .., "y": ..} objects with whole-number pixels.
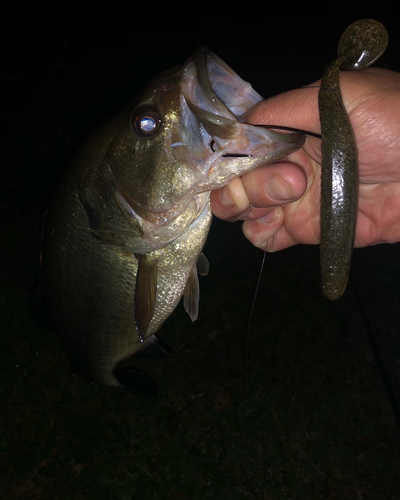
[
  {"x": 361, "y": 44},
  {"x": 125, "y": 230}
]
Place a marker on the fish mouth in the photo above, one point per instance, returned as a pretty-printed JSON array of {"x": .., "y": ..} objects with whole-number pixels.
[
  {"x": 218, "y": 100},
  {"x": 216, "y": 94}
]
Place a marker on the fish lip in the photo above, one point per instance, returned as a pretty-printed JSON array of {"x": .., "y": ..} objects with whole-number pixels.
[
  {"x": 296, "y": 139},
  {"x": 224, "y": 99},
  {"x": 201, "y": 59},
  {"x": 230, "y": 94}
]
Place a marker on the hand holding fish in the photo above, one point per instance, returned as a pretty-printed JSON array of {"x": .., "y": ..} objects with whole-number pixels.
[
  {"x": 280, "y": 203},
  {"x": 124, "y": 232}
]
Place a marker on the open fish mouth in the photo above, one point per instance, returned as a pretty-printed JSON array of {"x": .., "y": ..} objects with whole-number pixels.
[
  {"x": 220, "y": 91},
  {"x": 215, "y": 101}
]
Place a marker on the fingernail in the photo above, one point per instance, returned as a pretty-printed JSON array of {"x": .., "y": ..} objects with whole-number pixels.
[
  {"x": 278, "y": 189},
  {"x": 268, "y": 218},
  {"x": 226, "y": 198}
]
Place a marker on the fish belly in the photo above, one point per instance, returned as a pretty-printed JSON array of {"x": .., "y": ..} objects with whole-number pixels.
[{"x": 89, "y": 287}]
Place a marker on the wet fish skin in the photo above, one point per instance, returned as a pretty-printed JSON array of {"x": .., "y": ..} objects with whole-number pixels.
[
  {"x": 361, "y": 44},
  {"x": 127, "y": 224},
  {"x": 89, "y": 285}
]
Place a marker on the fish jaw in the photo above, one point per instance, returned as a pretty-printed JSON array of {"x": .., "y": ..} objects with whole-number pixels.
[
  {"x": 255, "y": 147},
  {"x": 214, "y": 101},
  {"x": 222, "y": 90}
]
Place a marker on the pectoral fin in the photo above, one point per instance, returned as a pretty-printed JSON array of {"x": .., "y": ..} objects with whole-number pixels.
[
  {"x": 191, "y": 294},
  {"x": 145, "y": 293},
  {"x": 203, "y": 266}
]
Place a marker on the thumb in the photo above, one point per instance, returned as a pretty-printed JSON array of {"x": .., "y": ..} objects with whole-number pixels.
[{"x": 296, "y": 108}]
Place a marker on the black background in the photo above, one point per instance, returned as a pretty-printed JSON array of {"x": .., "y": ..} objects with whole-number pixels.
[{"x": 56, "y": 87}]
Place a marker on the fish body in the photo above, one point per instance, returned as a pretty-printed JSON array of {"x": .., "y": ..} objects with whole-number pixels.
[{"x": 126, "y": 227}]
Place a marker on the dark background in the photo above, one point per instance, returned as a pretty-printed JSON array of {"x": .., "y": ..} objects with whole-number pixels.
[{"x": 323, "y": 385}]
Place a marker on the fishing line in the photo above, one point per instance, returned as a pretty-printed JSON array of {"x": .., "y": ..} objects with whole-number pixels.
[
  {"x": 293, "y": 129},
  {"x": 290, "y": 129},
  {"x": 252, "y": 307}
]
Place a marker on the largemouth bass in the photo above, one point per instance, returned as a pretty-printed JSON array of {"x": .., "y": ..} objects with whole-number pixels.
[{"x": 127, "y": 225}]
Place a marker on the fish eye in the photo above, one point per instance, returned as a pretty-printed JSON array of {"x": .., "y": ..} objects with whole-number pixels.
[{"x": 146, "y": 123}]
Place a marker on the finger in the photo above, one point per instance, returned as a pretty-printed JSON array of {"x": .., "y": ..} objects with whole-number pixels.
[
  {"x": 284, "y": 226},
  {"x": 276, "y": 184},
  {"x": 250, "y": 195},
  {"x": 296, "y": 108},
  {"x": 231, "y": 201},
  {"x": 268, "y": 233}
]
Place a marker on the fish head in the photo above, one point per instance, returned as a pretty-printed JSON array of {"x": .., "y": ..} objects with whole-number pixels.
[{"x": 186, "y": 136}]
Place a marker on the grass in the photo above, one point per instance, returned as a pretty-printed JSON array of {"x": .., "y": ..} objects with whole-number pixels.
[{"x": 308, "y": 419}]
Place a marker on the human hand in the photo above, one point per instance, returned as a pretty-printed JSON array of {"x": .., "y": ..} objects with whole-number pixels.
[{"x": 280, "y": 203}]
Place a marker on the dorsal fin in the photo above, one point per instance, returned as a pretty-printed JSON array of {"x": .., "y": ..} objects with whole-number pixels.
[
  {"x": 145, "y": 293},
  {"x": 191, "y": 294}
]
